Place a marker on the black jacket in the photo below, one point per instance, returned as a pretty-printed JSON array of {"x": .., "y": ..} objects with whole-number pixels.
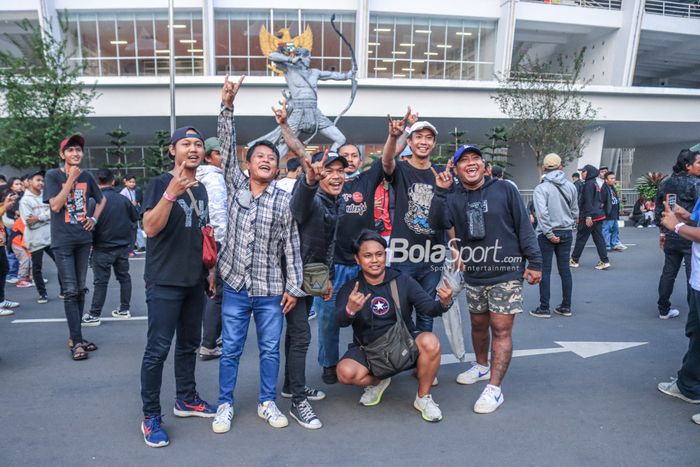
[
  {"x": 316, "y": 213},
  {"x": 686, "y": 188},
  {"x": 591, "y": 203},
  {"x": 510, "y": 239},
  {"x": 612, "y": 204},
  {"x": 379, "y": 312},
  {"x": 116, "y": 224}
]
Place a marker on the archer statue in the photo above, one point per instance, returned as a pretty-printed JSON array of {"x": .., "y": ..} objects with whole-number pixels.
[{"x": 292, "y": 57}]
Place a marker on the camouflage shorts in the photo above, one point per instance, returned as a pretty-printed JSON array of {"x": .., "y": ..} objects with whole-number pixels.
[{"x": 504, "y": 298}]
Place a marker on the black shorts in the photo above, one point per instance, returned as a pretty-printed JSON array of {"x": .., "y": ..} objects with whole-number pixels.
[{"x": 356, "y": 353}]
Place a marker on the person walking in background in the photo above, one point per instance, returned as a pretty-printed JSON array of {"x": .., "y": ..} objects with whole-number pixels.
[
  {"x": 611, "y": 229},
  {"x": 133, "y": 193},
  {"x": 556, "y": 208},
  {"x": 591, "y": 215},
  {"x": 111, "y": 248}
]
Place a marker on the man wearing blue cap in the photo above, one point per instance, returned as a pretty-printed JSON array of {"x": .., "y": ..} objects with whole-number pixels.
[
  {"x": 175, "y": 210},
  {"x": 498, "y": 249}
]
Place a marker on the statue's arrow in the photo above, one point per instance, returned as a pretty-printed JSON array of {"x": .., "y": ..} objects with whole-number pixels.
[{"x": 582, "y": 349}]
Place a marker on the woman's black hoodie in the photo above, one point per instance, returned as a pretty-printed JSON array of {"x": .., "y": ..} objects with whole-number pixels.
[{"x": 591, "y": 200}]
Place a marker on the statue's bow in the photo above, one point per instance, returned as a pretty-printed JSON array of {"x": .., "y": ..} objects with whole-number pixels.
[{"x": 353, "y": 90}]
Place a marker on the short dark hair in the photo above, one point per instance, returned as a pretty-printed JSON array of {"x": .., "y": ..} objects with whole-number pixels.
[
  {"x": 267, "y": 144},
  {"x": 367, "y": 236},
  {"x": 498, "y": 171},
  {"x": 293, "y": 164},
  {"x": 105, "y": 176},
  {"x": 602, "y": 167},
  {"x": 607, "y": 174},
  {"x": 351, "y": 144},
  {"x": 129, "y": 177},
  {"x": 575, "y": 175},
  {"x": 3, "y": 178}
]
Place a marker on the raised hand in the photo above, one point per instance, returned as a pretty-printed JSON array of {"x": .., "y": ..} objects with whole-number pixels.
[
  {"x": 230, "y": 89},
  {"x": 444, "y": 179},
  {"x": 73, "y": 174},
  {"x": 397, "y": 127},
  {"x": 281, "y": 113},
  {"x": 445, "y": 293},
  {"x": 412, "y": 119},
  {"x": 357, "y": 300},
  {"x": 179, "y": 183},
  {"x": 317, "y": 171}
]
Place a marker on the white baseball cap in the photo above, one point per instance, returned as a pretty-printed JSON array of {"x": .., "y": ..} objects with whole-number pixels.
[{"x": 422, "y": 126}]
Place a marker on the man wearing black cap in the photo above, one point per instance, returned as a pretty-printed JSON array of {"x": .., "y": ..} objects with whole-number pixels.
[
  {"x": 260, "y": 231},
  {"x": 175, "y": 210},
  {"x": 67, "y": 191}
]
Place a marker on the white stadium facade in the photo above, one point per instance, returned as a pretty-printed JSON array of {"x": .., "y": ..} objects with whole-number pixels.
[{"x": 439, "y": 56}]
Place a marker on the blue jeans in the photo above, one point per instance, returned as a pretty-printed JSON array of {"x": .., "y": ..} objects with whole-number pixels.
[
  {"x": 13, "y": 263},
  {"x": 328, "y": 329},
  {"x": 72, "y": 265},
  {"x": 236, "y": 309},
  {"x": 428, "y": 276},
  {"x": 611, "y": 233},
  {"x": 562, "y": 251}
]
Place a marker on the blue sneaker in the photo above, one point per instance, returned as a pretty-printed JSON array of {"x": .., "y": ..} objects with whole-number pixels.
[
  {"x": 194, "y": 408},
  {"x": 153, "y": 433}
]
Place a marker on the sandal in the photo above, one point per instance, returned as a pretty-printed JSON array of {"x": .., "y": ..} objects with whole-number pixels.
[
  {"x": 89, "y": 346},
  {"x": 78, "y": 351}
]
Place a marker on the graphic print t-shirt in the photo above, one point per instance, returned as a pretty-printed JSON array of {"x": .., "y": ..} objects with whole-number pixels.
[
  {"x": 174, "y": 256},
  {"x": 67, "y": 224},
  {"x": 414, "y": 189}
]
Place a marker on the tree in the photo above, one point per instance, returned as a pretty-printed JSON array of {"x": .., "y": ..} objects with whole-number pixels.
[
  {"x": 118, "y": 151},
  {"x": 545, "y": 103},
  {"x": 158, "y": 161},
  {"x": 43, "y": 99},
  {"x": 496, "y": 148}
]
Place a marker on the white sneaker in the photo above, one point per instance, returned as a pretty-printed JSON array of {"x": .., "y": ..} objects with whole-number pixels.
[
  {"x": 428, "y": 408},
  {"x": 12, "y": 280},
  {"x": 490, "y": 399},
  {"x": 6, "y": 312},
  {"x": 435, "y": 382},
  {"x": 222, "y": 420},
  {"x": 476, "y": 373},
  {"x": 9, "y": 304},
  {"x": 119, "y": 314},
  {"x": 602, "y": 265},
  {"x": 672, "y": 313},
  {"x": 671, "y": 388},
  {"x": 619, "y": 247},
  {"x": 373, "y": 394},
  {"x": 696, "y": 418},
  {"x": 271, "y": 414}
]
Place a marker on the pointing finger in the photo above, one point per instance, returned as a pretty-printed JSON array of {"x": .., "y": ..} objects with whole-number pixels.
[
  {"x": 432, "y": 169},
  {"x": 388, "y": 117},
  {"x": 408, "y": 114}
]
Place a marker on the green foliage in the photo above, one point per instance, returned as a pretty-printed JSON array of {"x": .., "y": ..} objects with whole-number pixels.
[
  {"x": 44, "y": 101},
  {"x": 117, "y": 154},
  {"x": 496, "y": 148},
  {"x": 545, "y": 103},
  {"x": 158, "y": 161},
  {"x": 648, "y": 184}
]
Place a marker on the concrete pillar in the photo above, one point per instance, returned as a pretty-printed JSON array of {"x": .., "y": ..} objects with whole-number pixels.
[
  {"x": 627, "y": 43},
  {"x": 48, "y": 18},
  {"x": 361, "y": 35},
  {"x": 208, "y": 37},
  {"x": 593, "y": 151},
  {"x": 504, "y": 38}
]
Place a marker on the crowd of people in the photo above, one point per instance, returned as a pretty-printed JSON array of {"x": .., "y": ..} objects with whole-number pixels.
[{"x": 383, "y": 250}]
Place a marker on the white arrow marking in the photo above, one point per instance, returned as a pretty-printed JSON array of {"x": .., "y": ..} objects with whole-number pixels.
[
  {"x": 63, "y": 320},
  {"x": 582, "y": 349}
]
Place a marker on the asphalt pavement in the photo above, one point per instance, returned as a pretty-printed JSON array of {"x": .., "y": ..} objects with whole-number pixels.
[{"x": 560, "y": 408}]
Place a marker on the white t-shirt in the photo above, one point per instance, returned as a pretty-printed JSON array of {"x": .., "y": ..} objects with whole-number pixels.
[{"x": 286, "y": 184}]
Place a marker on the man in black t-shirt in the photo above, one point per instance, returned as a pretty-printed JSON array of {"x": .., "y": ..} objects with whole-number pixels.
[
  {"x": 67, "y": 191},
  {"x": 417, "y": 248},
  {"x": 175, "y": 210}
]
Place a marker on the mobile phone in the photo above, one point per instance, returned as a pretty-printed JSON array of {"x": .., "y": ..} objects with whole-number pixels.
[{"x": 671, "y": 201}]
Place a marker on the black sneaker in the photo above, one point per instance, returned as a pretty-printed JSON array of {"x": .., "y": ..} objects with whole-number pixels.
[
  {"x": 42, "y": 299},
  {"x": 329, "y": 375},
  {"x": 563, "y": 310},
  {"x": 310, "y": 393},
  {"x": 540, "y": 313},
  {"x": 304, "y": 414}
]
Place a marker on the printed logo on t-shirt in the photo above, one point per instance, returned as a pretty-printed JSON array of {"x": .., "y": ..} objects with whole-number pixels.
[
  {"x": 190, "y": 212},
  {"x": 357, "y": 197},
  {"x": 419, "y": 197},
  {"x": 350, "y": 206},
  {"x": 484, "y": 205},
  {"x": 76, "y": 204},
  {"x": 379, "y": 306}
]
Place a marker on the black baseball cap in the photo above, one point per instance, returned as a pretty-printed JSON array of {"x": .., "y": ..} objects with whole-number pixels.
[
  {"x": 181, "y": 133},
  {"x": 332, "y": 157}
]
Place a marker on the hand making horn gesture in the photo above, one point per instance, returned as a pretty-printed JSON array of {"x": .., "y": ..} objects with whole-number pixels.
[
  {"x": 444, "y": 179},
  {"x": 230, "y": 89},
  {"x": 397, "y": 127},
  {"x": 180, "y": 183},
  {"x": 316, "y": 171},
  {"x": 444, "y": 293},
  {"x": 281, "y": 113},
  {"x": 357, "y": 300}
]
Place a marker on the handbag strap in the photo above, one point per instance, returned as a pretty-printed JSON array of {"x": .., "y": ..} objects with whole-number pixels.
[
  {"x": 195, "y": 207},
  {"x": 395, "y": 297}
]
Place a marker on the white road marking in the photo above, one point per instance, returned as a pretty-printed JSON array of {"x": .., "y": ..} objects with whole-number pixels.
[{"x": 63, "y": 320}]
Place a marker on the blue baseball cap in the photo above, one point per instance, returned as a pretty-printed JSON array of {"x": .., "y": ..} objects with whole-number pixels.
[
  {"x": 181, "y": 133},
  {"x": 463, "y": 149}
]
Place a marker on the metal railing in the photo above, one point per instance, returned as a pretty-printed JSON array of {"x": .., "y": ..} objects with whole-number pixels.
[
  {"x": 678, "y": 9},
  {"x": 604, "y": 4},
  {"x": 628, "y": 196}
]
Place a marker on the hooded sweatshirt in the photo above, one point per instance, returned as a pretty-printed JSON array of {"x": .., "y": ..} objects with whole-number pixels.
[
  {"x": 379, "y": 312},
  {"x": 212, "y": 178},
  {"x": 509, "y": 239},
  {"x": 556, "y": 204},
  {"x": 591, "y": 199},
  {"x": 36, "y": 236}
]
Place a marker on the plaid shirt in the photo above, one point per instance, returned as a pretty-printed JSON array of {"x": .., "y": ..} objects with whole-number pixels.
[{"x": 258, "y": 235}]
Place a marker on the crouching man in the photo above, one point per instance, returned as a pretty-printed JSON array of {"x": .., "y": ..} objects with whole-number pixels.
[{"x": 370, "y": 305}]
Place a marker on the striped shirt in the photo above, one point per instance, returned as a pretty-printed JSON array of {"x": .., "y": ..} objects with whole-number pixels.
[{"x": 260, "y": 230}]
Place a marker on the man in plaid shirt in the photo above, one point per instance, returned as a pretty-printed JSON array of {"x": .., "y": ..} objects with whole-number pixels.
[{"x": 260, "y": 232}]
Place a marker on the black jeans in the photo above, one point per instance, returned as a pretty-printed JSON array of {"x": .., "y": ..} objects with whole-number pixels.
[
  {"x": 103, "y": 260},
  {"x": 37, "y": 268},
  {"x": 582, "y": 235},
  {"x": 212, "y": 316},
  {"x": 689, "y": 374},
  {"x": 4, "y": 268},
  {"x": 675, "y": 252},
  {"x": 170, "y": 310},
  {"x": 296, "y": 345},
  {"x": 562, "y": 251},
  {"x": 72, "y": 265}
]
